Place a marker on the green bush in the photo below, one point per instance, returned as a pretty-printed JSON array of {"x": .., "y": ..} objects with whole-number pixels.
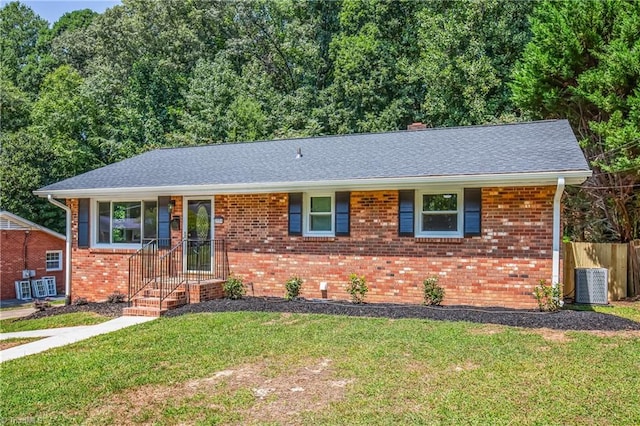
[
  {"x": 547, "y": 296},
  {"x": 293, "y": 285},
  {"x": 433, "y": 293},
  {"x": 357, "y": 288},
  {"x": 80, "y": 301},
  {"x": 233, "y": 288}
]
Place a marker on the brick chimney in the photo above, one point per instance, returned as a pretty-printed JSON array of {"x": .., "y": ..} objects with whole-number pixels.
[{"x": 416, "y": 126}]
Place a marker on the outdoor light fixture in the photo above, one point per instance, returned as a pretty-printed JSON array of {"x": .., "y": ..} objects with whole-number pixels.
[
  {"x": 171, "y": 206},
  {"x": 175, "y": 223}
]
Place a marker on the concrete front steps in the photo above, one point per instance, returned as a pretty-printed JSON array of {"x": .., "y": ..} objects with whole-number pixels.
[{"x": 148, "y": 303}]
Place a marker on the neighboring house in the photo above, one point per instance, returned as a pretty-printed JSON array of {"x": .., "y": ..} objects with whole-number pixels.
[
  {"x": 26, "y": 246},
  {"x": 472, "y": 205}
]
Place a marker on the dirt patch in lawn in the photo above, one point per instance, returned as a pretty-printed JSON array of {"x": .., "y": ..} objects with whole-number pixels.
[
  {"x": 265, "y": 398},
  {"x": 10, "y": 343}
]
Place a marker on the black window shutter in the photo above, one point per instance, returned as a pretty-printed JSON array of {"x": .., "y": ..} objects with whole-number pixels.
[
  {"x": 472, "y": 211},
  {"x": 164, "y": 222},
  {"x": 342, "y": 213},
  {"x": 295, "y": 213},
  {"x": 406, "y": 211},
  {"x": 83, "y": 222}
]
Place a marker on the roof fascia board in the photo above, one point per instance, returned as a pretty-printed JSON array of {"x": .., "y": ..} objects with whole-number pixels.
[{"x": 511, "y": 179}]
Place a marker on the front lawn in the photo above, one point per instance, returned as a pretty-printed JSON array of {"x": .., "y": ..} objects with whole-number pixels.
[
  {"x": 55, "y": 321},
  {"x": 273, "y": 368}
]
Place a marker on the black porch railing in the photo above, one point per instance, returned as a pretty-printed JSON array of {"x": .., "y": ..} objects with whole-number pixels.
[{"x": 162, "y": 267}]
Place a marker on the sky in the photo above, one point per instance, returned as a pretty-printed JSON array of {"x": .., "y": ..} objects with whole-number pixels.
[{"x": 52, "y": 10}]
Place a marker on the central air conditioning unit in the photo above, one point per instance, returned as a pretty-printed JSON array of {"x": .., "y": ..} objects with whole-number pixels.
[{"x": 592, "y": 286}]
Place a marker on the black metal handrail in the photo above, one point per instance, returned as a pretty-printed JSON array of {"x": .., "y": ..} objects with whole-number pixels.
[
  {"x": 187, "y": 262},
  {"x": 143, "y": 265}
]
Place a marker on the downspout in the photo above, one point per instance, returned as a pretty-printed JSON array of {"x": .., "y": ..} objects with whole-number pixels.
[
  {"x": 67, "y": 256},
  {"x": 555, "y": 268}
]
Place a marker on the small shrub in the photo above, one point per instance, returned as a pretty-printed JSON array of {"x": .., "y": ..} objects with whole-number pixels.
[
  {"x": 433, "y": 293},
  {"x": 547, "y": 296},
  {"x": 292, "y": 286},
  {"x": 357, "y": 288},
  {"x": 116, "y": 297},
  {"x": 80, "y": 301},
  {"x": 233, "y": 288}
]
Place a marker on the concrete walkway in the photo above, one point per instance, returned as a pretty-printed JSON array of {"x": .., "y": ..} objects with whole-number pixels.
[
  {"x": 56, "y": 337},
  {"x": 16, "y": 313}
]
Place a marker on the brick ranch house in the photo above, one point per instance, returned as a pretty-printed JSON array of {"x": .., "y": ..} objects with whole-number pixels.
[
  {"x": 477, "y": 206},
  {"x": 27, "y": 246}
]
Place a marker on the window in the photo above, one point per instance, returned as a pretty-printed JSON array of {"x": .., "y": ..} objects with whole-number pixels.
[
  {"x": 54, "y": 260},
  {"x": 126, "y": 222},
  {"x": 319, "y": 209},
  {"x": 439, "y": 214}
]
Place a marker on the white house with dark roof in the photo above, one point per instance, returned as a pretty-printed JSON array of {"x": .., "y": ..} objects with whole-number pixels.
[{"x": 477, "y": 206}]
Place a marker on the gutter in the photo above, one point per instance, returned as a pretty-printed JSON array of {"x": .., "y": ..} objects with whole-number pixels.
[
  {"x": 366, "y": 184},
  {"x": 67, "y": 257},
  {"x": 555, "y": 269}
]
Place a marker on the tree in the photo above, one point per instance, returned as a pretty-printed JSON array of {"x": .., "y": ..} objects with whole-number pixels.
[
  {"x": 467, "y": 53},
  {"x": 583, "y": 64},
  {"x": 20, "y": 29},
  {"x": 59, "y": 118},
  {"x": 371, "y": 90}
]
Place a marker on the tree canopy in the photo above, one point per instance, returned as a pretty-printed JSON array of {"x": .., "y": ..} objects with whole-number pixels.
[{"x": 92, "y": 89}]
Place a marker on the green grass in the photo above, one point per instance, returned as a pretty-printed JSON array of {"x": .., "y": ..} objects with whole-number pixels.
[
  {"x": 55, "y": 321},
  {"x": 376, "y": 371},
  {"x": 627, "y": 310}
]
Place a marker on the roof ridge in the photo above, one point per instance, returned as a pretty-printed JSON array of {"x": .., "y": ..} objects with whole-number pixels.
[{"x": 403, "y": 131}]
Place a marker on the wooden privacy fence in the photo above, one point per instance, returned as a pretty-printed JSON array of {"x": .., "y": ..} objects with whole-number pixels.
[
  {"x": 634, "y": 268},
  {"x": 621, "y": 260}
]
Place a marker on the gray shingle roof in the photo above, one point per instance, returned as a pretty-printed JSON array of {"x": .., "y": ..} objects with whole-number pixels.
[{"x": 542, "y": 146}]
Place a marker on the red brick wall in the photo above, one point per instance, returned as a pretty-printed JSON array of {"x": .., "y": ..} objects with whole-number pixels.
[
  {"x": 96, "y": 273},
  {"x": 12, "y": 258},
  {"x": 500, "y": 267}
]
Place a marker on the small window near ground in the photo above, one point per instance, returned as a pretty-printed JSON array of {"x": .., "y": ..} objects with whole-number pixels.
[{"x": 54, "y": 260}]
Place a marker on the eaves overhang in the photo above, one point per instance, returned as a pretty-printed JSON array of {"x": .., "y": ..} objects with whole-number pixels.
[{"x": 572, "y": 177}]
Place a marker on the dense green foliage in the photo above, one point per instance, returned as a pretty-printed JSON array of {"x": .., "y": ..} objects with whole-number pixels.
[
  {"x": 97, "y": 88},
  {"x": 583, "y": 64}
]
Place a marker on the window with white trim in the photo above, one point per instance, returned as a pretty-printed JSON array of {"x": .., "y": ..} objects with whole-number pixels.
[
  {"x": 53, "y": 260},
  {"x": 126, "y": 222},
  {"x": 439, "y": 214},
  {"x": 319, "y": 213}
]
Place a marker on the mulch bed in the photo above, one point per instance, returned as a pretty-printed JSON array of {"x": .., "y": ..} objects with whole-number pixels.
[
  {"x": 112, "y": 310},
  {"x": 562, "y": 320}
]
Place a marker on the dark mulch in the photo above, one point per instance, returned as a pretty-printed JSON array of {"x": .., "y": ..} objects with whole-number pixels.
[
  {"x": 562, "y": 320},
  {"x": 112, "y": 310}
]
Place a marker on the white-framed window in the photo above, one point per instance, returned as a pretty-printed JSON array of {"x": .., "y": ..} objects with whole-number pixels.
[
  {"x": 125, "y": 222},
  {"x": 439, "y": 213},
  {"x": 319, "y": 214},
  {"x": 54, "y": 260}
]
